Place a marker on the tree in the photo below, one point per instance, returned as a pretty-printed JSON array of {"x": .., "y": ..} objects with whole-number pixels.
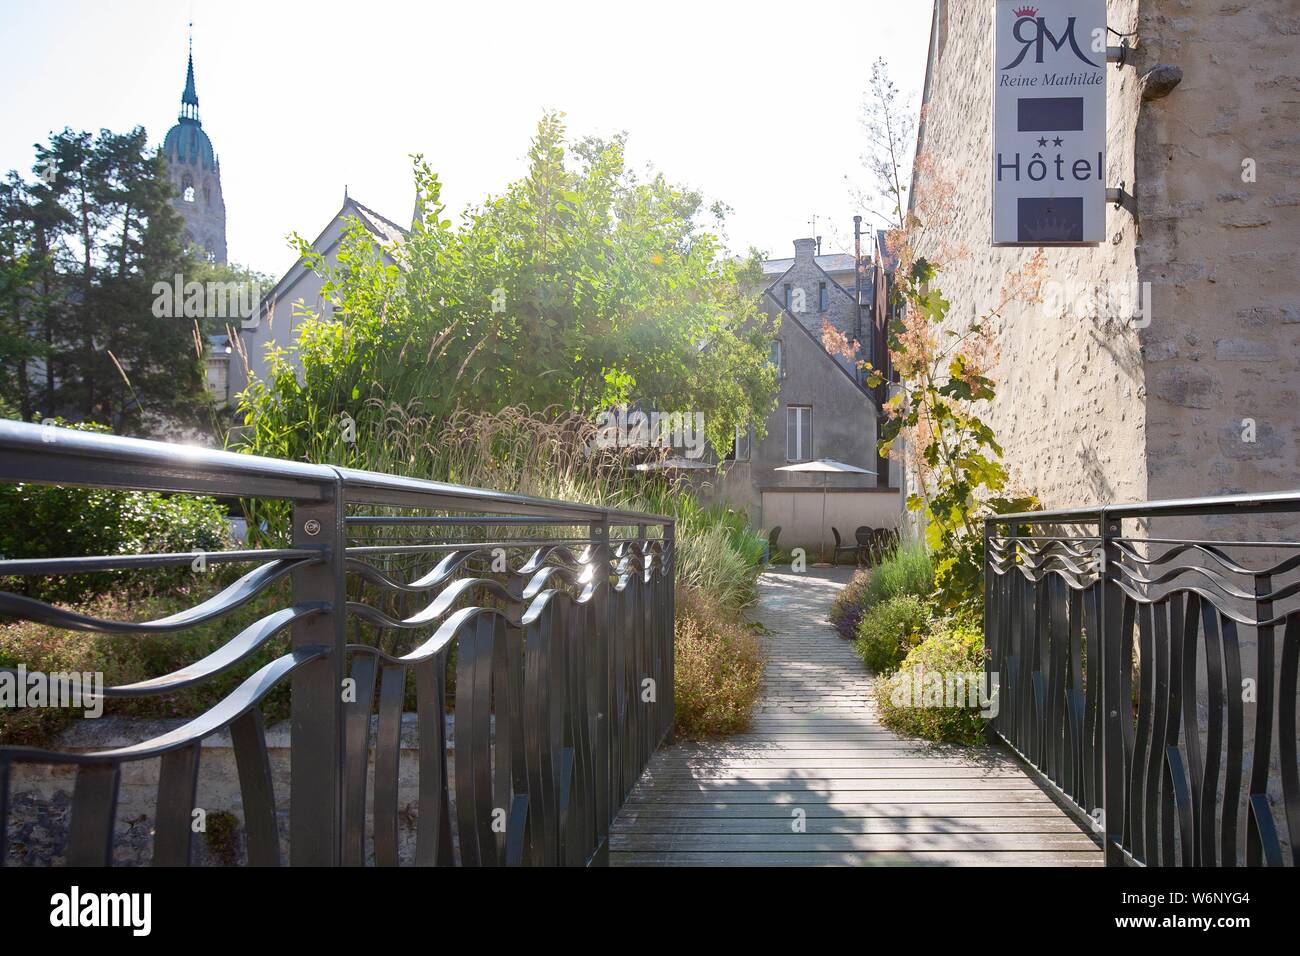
[
  {"x": 954, "y": 459},
  {"x": 890, "y": 128},
  {"x": 80, "y": 250},
  {"x": 579, "y": 288}
]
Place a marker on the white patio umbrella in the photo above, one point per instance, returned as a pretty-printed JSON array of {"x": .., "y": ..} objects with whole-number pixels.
[
  {"x": 674, "y": 463},
  {"x": 826, "y": 466}
]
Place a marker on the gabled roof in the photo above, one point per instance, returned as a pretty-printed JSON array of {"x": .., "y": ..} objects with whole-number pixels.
[
  {"x": 868, "y": 289},
  {"x": 832, "y": 262},
  {"x": 788, "y": 318},
  {"x": 381, "y": 227}
]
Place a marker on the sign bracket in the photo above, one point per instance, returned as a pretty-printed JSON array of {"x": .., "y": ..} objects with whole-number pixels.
[{"x": 1121, "y": 198}]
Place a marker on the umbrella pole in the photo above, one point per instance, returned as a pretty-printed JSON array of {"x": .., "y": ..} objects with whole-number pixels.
[{"x": 825, "y": 481}]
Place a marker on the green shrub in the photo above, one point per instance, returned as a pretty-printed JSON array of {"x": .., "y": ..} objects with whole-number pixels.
[
  {"x": 850, "y": 603},
  {"x": 127, "y": 658},
  {"x": 890, "y": 629},
  {"x": 907, "y": 569},
  {"x": 40, "y": 521},
  {"x": 44, "y": 521},
  {"x": 930, "y": 695},
  {"x": 719, "y": 667}
]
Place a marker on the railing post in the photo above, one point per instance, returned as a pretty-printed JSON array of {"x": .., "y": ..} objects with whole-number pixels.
[
  {"x": 600, "y": 611},
  {"x": 989, "y": 610},
  {"x": 1113, "y": 707},
  {"x": 316, "y": 751},
  {"x": 670, "y": 624}
]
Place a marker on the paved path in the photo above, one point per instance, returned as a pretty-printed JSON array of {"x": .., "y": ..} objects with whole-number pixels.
[{"x": 818, "y": 781}]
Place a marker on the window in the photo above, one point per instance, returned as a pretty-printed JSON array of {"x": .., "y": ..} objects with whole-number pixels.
[
  {"x": 187, "y": 189},
  {"x": 744, "y": 445},
  {"x": 787, "y": 295},
  {"x": 775, "y": 359},
  {"x": 798, "y": 433},
  {"x": 823, "y": 297}
]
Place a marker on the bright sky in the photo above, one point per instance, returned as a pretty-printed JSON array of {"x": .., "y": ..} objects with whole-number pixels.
[{"x": 757, "y": 104}]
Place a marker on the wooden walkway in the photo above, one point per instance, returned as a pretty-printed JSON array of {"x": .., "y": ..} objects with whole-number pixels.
[{"x": 818, "y": 781}]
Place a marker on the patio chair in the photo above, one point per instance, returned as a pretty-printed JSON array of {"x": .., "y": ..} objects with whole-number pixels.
[
  {"x": 841, "y": 548},
  {"x": 773, "y": 539},
  {"x": 866, "y": 538},
  {"x": 886, "y": 543}
]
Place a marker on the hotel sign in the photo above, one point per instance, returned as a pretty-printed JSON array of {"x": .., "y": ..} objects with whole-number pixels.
[{"x": 1049, "y": 122}]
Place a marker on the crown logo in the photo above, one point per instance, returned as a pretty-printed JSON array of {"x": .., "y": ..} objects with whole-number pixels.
[
  {"x": 1026, "y": 12},
  {"x": 1051, "y": 228}
]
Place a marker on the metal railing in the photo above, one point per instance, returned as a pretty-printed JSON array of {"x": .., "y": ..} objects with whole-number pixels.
[
  {"x": 1151, "y": 678},
  {"x": 554, "y": 619}
]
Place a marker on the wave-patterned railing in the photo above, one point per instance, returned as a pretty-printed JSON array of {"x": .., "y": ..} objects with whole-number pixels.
[
  {"x": 552, "y": 621},
  {"x": 1153, "y": 681}
]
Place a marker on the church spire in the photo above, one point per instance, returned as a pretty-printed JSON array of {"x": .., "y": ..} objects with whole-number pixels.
[{"x": 190, "y": 98}]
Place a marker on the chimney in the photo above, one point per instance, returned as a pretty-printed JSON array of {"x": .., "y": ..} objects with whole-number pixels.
[
  {"x": 857, "y": 277},
  {"x": 857, "y": 256},
  {"x": 803, "y": 248},
  {"x": 819, "y": 245}
]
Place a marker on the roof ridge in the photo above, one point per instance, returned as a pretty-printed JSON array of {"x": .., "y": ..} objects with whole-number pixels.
[
  {"x": 820, "y": 346},
  {"x": 378, "y": 215}
]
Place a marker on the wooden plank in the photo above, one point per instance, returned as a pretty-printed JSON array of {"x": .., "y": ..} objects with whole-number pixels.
[
  {"x": 815, "y": 772},
  {"x": 817, "y": 755},
  {"x": 904, "y": 842},
  {"x": 839, "y": 784},
  {"x": 719, "y": 813},
  {"x": 833, "y": 797},
  {"x": 832, "y": 767},
  {"x": 913, "y": 858},
  {"x": 643, "y": 825}
]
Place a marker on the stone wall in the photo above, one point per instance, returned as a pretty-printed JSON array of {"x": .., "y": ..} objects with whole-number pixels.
[
  {"x": 1101, "y": 404},
  {"x": 41, "y": 796},
  {"x": 1093, "y": 405},
  {"x": 1223, "y": 348},
  {"x": 204, "y": 217},
  {"x": 841, "y": 307},
  {"x": 1070, "y": 410}
]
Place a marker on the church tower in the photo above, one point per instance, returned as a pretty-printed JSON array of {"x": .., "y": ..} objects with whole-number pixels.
[{"x": 196, "y": 175}]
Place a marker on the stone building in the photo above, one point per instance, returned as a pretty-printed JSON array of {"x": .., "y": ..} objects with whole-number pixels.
[
  {"x": 824, "y": 408},
  {"x": 196, "y": 175},
  {"x": 1190, "y": 386},
  {"x": 282, "y": 308}
]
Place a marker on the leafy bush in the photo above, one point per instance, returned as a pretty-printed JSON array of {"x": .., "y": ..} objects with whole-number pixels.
[
  {"x": 907, "y": 569},
  {"x": 930, "y": 695},
  {"x": 126, "y": 658},
  {"x": 850, "y": 603},
  {"x": 719, "y": 667},
  {"x": 890, "y": 629},
  {"x": 40, "y": 521}
]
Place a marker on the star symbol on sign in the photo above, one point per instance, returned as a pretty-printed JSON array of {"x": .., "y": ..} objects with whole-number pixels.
[
  {"x": 1042, "y": 142},
  {"x": 1058, "y": 141}
]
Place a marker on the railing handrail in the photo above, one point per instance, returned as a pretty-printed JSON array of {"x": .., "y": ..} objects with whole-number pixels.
[
  {"x": 148, "y": 465},
  {"x": 554, "y": 645},
  {"x": 1275, "y": 501},
  {"x": 1125, "y": 664}
]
